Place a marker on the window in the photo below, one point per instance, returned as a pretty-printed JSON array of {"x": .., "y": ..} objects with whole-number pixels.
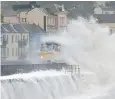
[
  {"x": 23, "y": 37},
  {"x": 23, "y": 19},
  {"x": 19, "y": 51},
  {"x": 16, "y": 38},
  {"x": 12, "y": 38},
  {"x": 53, "y": 21},
  {"x": 3, "y": 38},
  {"x": 27, "y": 38},
  {"x": 3, "y": 52},
  {"x": 63, "y": 20},
  {"x": 60, "y": 20},
  {"x": 7, "y": 37},
  {"x": 16, "y": 52},
  {"x": 12, "y": 51},
  {"x": 7, "y": 51},
  {"x": 48, "y": 21}
]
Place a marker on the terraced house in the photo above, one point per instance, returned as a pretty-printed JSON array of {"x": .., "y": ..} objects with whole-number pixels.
[
  {"x": 16, "y": 41},
  {"x": 50, "y": 17}
]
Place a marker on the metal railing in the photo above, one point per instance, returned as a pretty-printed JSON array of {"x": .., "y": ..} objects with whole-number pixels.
[
  {"x": 73, "y": 69},
  {"x": 8, "y": 69}
]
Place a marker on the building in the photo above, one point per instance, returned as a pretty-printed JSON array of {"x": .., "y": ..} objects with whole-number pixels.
[
  {"x": 105, "y": 16},
  {"x": 107, "y": 20},
  {"x": 16, "y": 40},
  {"x": 101, "y": 10},
  {"x": 35, "y": 35},
  {"x": 56, "y": 18},
  {"x": 12, "y": 35},
  {"x": 51, "y": 19}
]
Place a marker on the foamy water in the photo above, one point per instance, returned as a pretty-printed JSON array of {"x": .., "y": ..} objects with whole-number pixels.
[
  {"x": 45, "y": 84},
  {"x": 90, "y": 44},
  {"x": 85, "y": 43}
]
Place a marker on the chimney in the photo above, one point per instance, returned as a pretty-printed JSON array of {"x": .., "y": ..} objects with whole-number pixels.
[{"x": 63, "y": 9}]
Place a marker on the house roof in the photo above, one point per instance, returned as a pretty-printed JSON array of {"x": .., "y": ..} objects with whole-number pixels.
[
  {"x": 53, "y": 8},
  {"x": 105, "y": 18},
  {"x": 7, "y": 14},
  {"x": 21, "y": 28},
  {"x": 12, "y": 28},
  {"x": 32, "y": 28},
  {"x": 48, "y": 9}
]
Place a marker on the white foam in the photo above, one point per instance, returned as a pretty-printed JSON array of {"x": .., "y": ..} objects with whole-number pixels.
[
  {"x": 37, "y": 74},
  {"x": 86, "y": 43}
]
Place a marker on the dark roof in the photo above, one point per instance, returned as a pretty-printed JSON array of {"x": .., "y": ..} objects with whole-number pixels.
[
  {"x": 2, "y": 30},
  {"x": 53, "y": 8},
  {"x": 12, "y": 28},
  {"x": 33, "y": 28},
  {"x": 21, "y": 28},
  {"x": 20, "y": 7},
  {"x": 105, "y": 18},
  {"x": 16, "y": 7},
  {"x": 8, "y": 28}
]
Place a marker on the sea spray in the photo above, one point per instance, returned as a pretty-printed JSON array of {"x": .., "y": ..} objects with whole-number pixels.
[
  {"x": 43, "y": 84},
  {"x": 87, "y": 43}
]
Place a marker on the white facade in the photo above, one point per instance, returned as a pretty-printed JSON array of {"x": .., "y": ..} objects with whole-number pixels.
[{"x": 12, "y": 51}]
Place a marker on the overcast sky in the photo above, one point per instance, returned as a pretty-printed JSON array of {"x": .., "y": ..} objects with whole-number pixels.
[{"x": 85, "y": 6}]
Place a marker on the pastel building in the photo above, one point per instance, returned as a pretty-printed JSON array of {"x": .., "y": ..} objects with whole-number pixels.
[{"x": 51, "y": 18}]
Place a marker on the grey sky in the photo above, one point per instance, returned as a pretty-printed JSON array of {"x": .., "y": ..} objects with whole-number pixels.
[{"x": 84, "y": 7}]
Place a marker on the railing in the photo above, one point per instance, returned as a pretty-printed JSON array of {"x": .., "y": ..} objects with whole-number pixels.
[
  {"x": 8, "y": 69},
  {"x": 73, "y": 69}
]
